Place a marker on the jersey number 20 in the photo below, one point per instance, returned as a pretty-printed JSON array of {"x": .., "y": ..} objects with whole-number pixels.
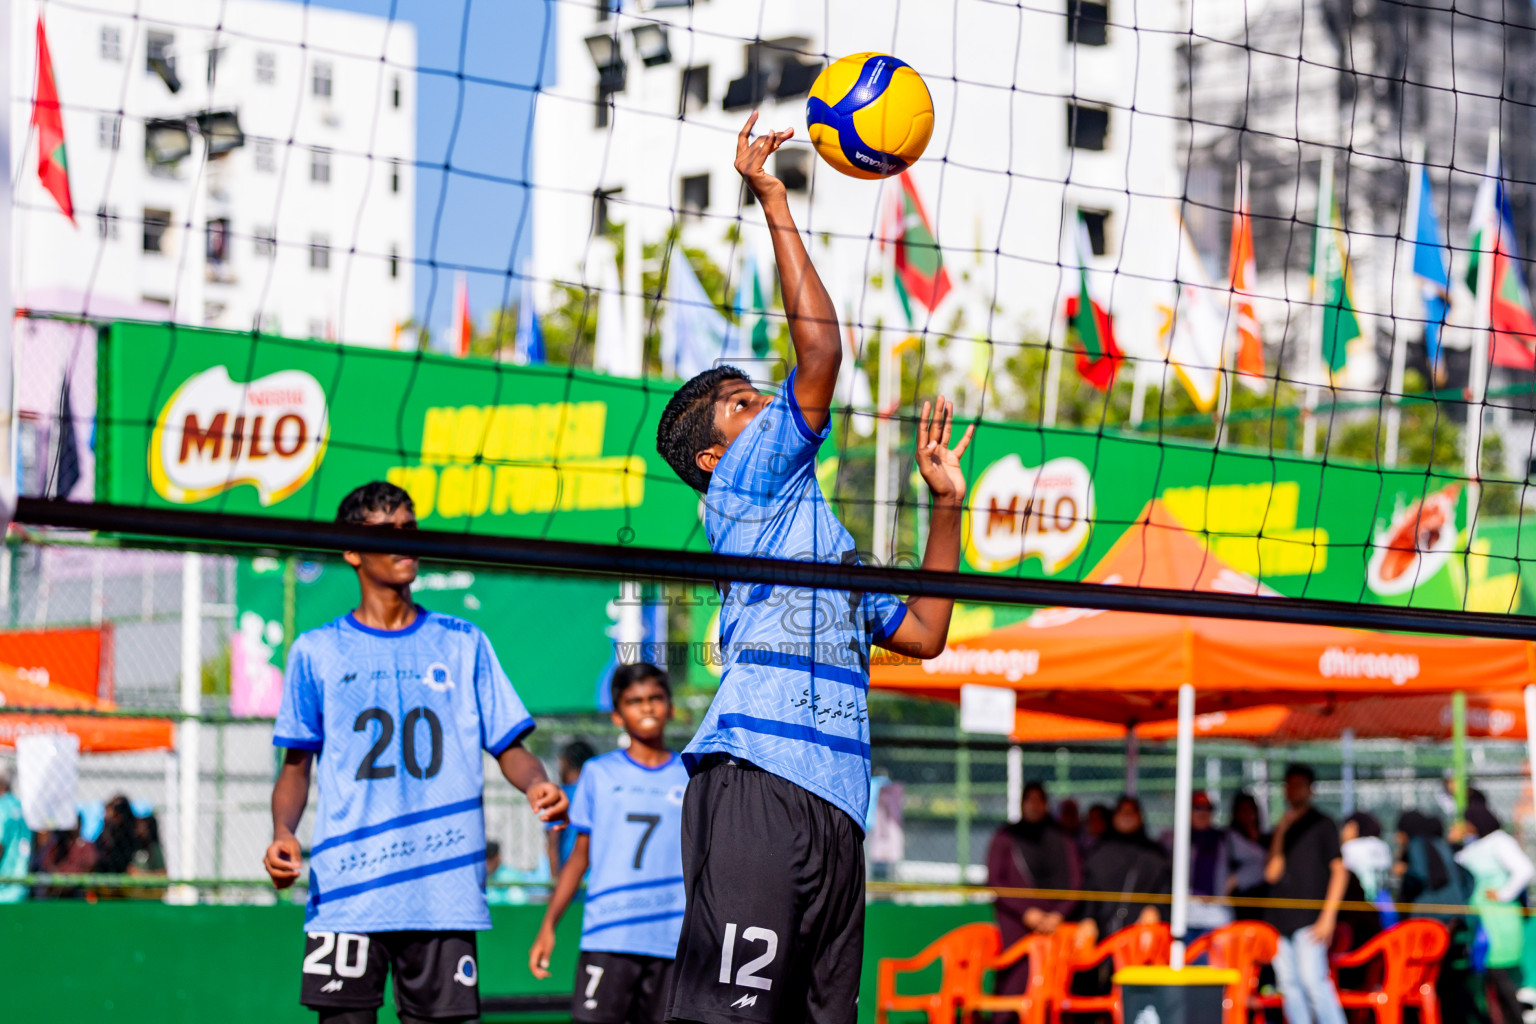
[{"x": 370, "y": 769}]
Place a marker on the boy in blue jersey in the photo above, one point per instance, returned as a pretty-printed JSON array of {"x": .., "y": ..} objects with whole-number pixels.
[
  {"x": 397, "y": 702},
  {"x": 627, "y": 815},
  {"x": 773, "y": 818}
]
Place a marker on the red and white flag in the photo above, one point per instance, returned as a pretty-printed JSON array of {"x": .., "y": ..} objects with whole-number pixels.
[
  {"x": 52, "y": 165},
  {"x": 463, "y": 323},
  {"x": 1243, "y": 271}
]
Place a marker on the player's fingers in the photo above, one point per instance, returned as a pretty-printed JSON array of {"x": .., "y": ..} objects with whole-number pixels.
[
  {"x": 965, "y": 440},
  {"x": 745, "y": 135},
  {"x": 923, "y": 421},
  {"x": 946, "y": 423}
]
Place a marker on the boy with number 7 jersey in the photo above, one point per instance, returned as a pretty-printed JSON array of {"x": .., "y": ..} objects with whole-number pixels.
[
  {"x": 627, "y": 813},
  {"x": 397, "y": 703}
]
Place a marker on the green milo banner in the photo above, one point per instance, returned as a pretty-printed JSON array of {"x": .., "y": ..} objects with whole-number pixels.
[{"x": 231, "y": 422}]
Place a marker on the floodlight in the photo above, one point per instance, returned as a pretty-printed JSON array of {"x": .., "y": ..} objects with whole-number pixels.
[
  {"x": 651, "y": 44},
  {"x": 166, "y": 140}
]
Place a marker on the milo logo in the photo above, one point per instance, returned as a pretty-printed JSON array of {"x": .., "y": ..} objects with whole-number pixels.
[
  {"x": 1020, "y": 512},
  {"x": 215, "y": 434}
]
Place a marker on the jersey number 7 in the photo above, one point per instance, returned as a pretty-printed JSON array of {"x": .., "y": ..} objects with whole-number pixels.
[{"x": 650, "y": 821}]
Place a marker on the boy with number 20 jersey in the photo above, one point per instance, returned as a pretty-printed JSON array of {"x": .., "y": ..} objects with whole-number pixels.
[{"x": 397, "y": 703}]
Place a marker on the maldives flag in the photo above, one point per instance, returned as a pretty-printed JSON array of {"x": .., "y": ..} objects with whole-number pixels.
[
  {"x": 52, "y": 167},
  {"x": 1098, "y": 357},
  {"x": 919, "y": 263}
]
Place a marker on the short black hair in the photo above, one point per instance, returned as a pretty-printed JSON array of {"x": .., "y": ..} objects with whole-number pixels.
[
  {"x": 626, "y": 676},
  {"x": 378, "y": 497},
  {"x": 1297, "y": 768},
  {"x": 577, "y": 753},
  {"x": 688, "y": 424},
  {"x": 1035, "y": 787}
]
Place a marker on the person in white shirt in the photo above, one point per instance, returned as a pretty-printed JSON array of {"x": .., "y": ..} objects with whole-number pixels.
[{"x": 1501, "y": 872}]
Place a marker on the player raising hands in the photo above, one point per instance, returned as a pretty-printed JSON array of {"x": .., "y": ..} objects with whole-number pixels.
[{"x": 773, "y": 854}]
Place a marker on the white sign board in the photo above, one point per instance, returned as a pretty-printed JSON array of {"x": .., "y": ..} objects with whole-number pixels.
[
  {"x": 47, "y": 773},
  {"x": 987, "y": 709}
]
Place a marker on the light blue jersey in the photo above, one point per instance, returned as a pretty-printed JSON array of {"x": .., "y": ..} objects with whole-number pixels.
[
  {"x": 15, "y": 849},
  {"x": 634, "y": 817},
  {"x": 399, "y": 720},
  {"x": 795, "y": 661}
]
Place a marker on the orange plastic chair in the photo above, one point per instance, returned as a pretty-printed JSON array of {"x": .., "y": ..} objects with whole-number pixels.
[
  {"x": 1050, "y": 969},
  {"x": 1243, "y": 946},
  {"x": 1410, "y": 955},
  {"x": 1140, "y": 945},
  {"x": 962, "y": 953}
]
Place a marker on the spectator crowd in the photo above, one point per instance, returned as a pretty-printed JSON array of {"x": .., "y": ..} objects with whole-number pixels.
[
  {"x": 126, "y": 844},
  {"x": 1325, "y": 887}
]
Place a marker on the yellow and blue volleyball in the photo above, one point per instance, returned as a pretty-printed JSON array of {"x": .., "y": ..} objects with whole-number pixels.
[{"x": 870, "y": 115}]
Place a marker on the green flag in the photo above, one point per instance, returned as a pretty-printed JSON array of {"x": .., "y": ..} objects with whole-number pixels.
[
  {"x": 1332, "y": 284},
  {"x": 760, "y": 335}
]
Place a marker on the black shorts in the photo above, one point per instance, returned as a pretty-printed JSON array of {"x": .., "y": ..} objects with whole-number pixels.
[
  {"x": 436, "y": 975},
  {"x": 774, "y": 929},
  {"x": 620, "y": 988}
]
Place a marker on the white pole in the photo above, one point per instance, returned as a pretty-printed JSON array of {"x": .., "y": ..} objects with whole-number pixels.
[
  {"x": 1347, "y": 783},
  {"x": 7, "y": 300},
  {"x": 1053, "y": 350},
  {"x": 1400, "y": 343},
  {"x": 1477, "y": 371},
  {"x": 634, "y": 257},
  {"x": 888, "y": 400},
  {"x": 1314, "y": 372},
  {"x": 1183, "y": 792},
  {"x": 1530, "y": 730},
  {"x": 1015, "y": 783},
  {"x": 188, "y": 732}
]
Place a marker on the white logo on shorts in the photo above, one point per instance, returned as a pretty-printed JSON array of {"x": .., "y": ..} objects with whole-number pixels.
[
  {"x": 465, "y": 975},
  {"x": 334, "y": 985},
  {"x": 751, "y": 1000}
]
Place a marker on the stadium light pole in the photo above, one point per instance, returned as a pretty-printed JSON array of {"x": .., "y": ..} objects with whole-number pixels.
[
  {"x": 1315, "y": 344},
  {"x": 7, "y": 321},
  {"x": 189, "y": 729},
  {"x": 1399, "y": 342}
]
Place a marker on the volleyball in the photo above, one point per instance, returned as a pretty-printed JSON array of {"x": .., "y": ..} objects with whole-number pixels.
[{"x": 870, "y": 115}]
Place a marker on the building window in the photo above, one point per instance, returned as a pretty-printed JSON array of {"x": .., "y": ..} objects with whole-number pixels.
[
  {"x": 320, "y": 166},
  {"x": 320, "y": 252},
  {"x": 320, "y": 79},
  {"x": 266, "y": 156},
  {"x": 394, "y": 176},
  {"x": 156, "y": 224},
  {"x": 111, "y": 43},
  {"x": 394, "y": 261},
  {"x": 158, "y": 49},
  {"x": 695, "y": 195},
  {"x": 109, "y": 130},
  {"x": 1097, "y": 224},
  {"x": 747, "y": 91},
  {"x": 106, "y": 221},
  {"x": 695, "y": 91},
  {"x": 1087, "y": 22},
  {"x": 216, "y": 241},
  {"x": 266, "y": 67},
  {"x": 396, "y": 93},
  {"x": 1087, "y": 127},
  {"x": 265, "y": 241},
  {"x": 793, "y": 168},
  {"x": 215, "y": 54}
]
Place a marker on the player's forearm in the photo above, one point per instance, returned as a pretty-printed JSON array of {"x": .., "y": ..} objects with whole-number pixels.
[
  {"x": 942, "y": 554},
  {"x": 813, "y": 326},
  {"x": 566, "y": 885},
  {"x": 290, "y": 794},
  {"x": 521, "y": 768},
  {"x": 1338, "y": 880}
]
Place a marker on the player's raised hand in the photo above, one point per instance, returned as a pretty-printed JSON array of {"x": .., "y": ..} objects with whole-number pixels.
[
  {"x": 282, "y": 861},
  {"x": 936, "y": 460},
  {"x": 752, "y": 154},
  {"x": 549, "y": 802},
  {"x": 539, "y": 952}
]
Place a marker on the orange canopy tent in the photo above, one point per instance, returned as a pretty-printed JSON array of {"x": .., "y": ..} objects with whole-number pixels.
[
  {"x": 99, "y": 735},
  {"x": 1124, "y": 668}
]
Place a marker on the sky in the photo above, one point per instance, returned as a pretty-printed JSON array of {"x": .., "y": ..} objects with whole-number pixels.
[{"x": 480, "y": 125}]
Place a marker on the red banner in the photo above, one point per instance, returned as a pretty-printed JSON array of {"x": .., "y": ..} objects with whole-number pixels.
[{"x": 77, "y": 660}]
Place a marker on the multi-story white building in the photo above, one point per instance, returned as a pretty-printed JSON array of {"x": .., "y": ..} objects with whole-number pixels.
[
  {"x": 302, "y": 223},
  {"x": 1038, "y": 111}
]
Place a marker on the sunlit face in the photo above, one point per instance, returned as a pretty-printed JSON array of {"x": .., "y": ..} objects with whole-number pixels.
[
  {"x": 737, "y": 403},
  {"x": 387, "y": 570},
  {"x": 643, "y": 710},
  {"x": 1350, "y": 831}
]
